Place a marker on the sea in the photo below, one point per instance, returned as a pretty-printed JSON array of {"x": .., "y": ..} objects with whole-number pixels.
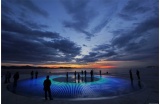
[{"x": 61, "y": 71}]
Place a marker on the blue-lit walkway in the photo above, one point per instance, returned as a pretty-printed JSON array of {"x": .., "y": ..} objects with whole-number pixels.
[{"x": 105, "y": 86}]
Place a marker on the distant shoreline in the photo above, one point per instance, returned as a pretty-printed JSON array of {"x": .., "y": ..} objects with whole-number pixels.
[
  {"x": 34, "y": 67},
  {"x": 39, "y": 67}
]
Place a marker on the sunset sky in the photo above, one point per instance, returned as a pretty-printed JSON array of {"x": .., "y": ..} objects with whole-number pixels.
[{"x": 80, "y": 33}]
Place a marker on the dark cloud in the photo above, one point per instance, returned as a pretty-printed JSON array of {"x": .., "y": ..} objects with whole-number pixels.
[
  {"x": 26, "y": 41},
  {"x": 138, "y": 44},
  {"x": 29, "y": 5},
  {"x": 107, "y": 54},
  {"x": 6, "y": 9},
  {"x": 81, "y": 16},
  {"x": 132, "y": 57},
  {"x": 88, "y": 58},
  {"x": 126, "y": 17},
  {"x": 22, "y": 44},
  {"x": 103, "y": 47},
  {"x": 14, "y": 26},
  {"x": 65, "y": 46},
  {"x": 140, "y": 30},
  {"x": 26, "y": 50},
  {"x": 101, "y": 25},
  {"x": 117, "y": 32},
  {"x": 33, "y": 25},
  {"x": 84, "y": 45},
  {"x": 100, "y": 52},
  {"x": 107, "y": 16},
  {"x": 135, "y": 6}
]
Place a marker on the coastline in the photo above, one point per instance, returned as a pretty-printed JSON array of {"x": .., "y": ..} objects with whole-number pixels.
[{"x": 148, "y": 95}]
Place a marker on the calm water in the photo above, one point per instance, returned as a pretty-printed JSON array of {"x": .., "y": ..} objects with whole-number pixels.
[{"x": 27, "y": 71}]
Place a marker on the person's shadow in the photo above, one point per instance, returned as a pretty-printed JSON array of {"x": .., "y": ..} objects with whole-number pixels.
[
  {"x": 132, "y": 84},
  {"x": 139, "y": 84}
]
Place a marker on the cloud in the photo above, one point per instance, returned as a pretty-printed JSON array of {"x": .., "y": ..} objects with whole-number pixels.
[
  {"x": 100, "y": 52},
  {"x": 126, "y": 17},
  {"x": 132, "y": 9},
  {"x": 29, "y": 5},
  {"x": 8, "y": 12},
  {"x": 140, "y": 30},
  {"x": 135, "y": 6},
  {"x": 141, "y": 43},
  {"x": 88, "y": 58},
  {"x": 107, "y": 16},
  {"x": 14, "y": 26},
  {"x": 107, "y": 54},
  {"x": 6, "y": 9},
  {"x": 101, "y": 25},
  {"x": 81, "y": 16},
  {"x": 84, "y": 45},
  {"x": 33, "y": 25},
  {"x": 103, "y": 47},
  {"x": 138, "y": 44},
  {"x": 22, "y": 44},
  {"x": 65, "y": 46}
]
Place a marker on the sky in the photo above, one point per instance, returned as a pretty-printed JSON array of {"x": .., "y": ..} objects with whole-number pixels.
[{"x": 80, "y": 33}]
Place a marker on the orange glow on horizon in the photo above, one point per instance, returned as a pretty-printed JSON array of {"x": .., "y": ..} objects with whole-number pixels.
[{"x": 99, "y": 64}]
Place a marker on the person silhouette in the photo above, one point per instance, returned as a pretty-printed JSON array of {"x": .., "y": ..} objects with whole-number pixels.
[
  {"x": 36, "y": 74},
  {"x": 107, "y": 72},
  {"x": 82, "y": 73},
  {"x": 15, "y": 77},
  {"x": 78, "y": 77},
  {"x": 47, "y": 84},
  {"x": 67, "y": 77},
  {"x": 138, "y": 75},
  {"x": 6, "y": 77},
  {"x": 100, "y": 73},
  {"x": 85, "y": 74},
  {"x": 91, "y": 75},
  {"x": 9, "y": 76},
  {"x": 131, "y": 77},
  {"x": 32, "y": 74},
  {"x": 75, "y": 74}
]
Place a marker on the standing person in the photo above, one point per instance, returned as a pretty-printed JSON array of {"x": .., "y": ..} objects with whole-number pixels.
[
  {"x": 131, "y": 77},
  {"x": 47, "y": 84},
  {"x": 138, "y": 75},
  {"x": 78, "y": 77},
  {"x": 91, "y": 74},
  {"x": 82, "y": 75},
  {"x": 67, "y": 77},
  {"x": 9, "y": 76},
  {"x": 32, "y": 74},
  {"x": 85, "y": 73},
  {"x": 15, "y": 77},
  {"x": 107, "y": 72},
  {"x": 100, "y": 73},
  {"x": 75, "y": 75},
  {"x": 6, "y": 77},
  {"x": 36, "y": 74}
]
